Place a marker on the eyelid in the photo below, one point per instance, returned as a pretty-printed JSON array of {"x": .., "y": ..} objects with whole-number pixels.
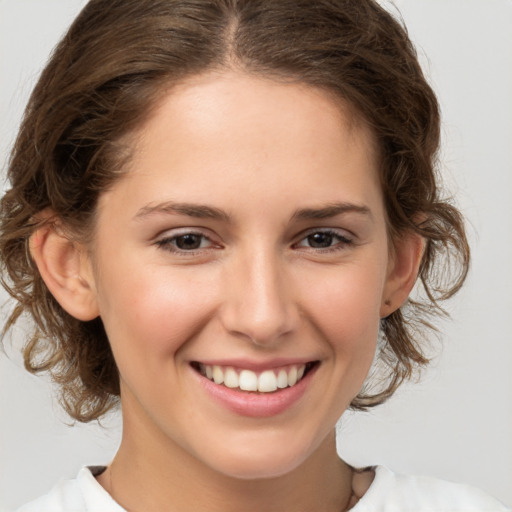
[
  {"x": 173, "y": 232},
  {"x": 341, "y": 233}
]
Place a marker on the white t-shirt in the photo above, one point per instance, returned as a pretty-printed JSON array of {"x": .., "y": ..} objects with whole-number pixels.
[{"x": 389, "y": 492}]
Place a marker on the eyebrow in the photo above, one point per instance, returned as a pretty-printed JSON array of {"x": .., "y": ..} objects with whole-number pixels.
[
  {"x": 201, "y": 211},
  {"x": 189, "y": 209},
  {"x": 331, "y": 210}
]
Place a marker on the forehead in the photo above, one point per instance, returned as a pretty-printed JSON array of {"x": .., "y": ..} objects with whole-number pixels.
[
  {"x": 253, "y": 105},
  {"x": 227, "y": 131}
]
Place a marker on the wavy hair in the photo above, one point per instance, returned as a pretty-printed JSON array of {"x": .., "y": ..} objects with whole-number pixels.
[{"x": 101, "y": 83}]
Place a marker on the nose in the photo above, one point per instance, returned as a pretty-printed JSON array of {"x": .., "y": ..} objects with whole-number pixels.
[{"x": 259, "y": 304}]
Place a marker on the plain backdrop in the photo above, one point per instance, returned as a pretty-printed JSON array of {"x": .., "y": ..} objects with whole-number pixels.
[{"x": 457, "y": 423}]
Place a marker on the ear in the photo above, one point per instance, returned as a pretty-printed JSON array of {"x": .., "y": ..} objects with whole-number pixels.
[
  {"x": 66, "y": 270},
  {"x": 402, "y": 272}
]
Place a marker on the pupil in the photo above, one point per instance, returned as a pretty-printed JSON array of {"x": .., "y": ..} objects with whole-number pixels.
[
  {"x": 320, "y": 240},
  {"x": 188, "y": 242}
]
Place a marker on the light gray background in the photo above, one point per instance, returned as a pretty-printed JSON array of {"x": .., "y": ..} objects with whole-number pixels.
[{"x": 456, "y": 424}]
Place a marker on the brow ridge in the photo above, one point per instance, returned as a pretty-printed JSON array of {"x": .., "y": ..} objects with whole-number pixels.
[
  {"x": 210, "y": 212},
  {"x": 189, "y": 209},
  {"x": 331, "y": 210}
]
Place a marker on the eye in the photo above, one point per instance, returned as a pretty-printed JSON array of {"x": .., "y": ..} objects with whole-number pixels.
[
  {"x": 185, "y": 242},
  {"x": 324, "y": 239},
  {"x": 190, "y": 242}
]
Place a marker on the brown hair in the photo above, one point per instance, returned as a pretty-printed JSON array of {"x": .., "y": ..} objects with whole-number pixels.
[{"x": 101, "y": 83}]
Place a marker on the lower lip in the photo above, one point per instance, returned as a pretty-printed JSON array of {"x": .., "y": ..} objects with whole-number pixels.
[{"x": 256, "y": 405}]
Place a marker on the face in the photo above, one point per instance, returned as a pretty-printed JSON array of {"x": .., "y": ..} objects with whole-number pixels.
[{"x": 240, "y": 270}]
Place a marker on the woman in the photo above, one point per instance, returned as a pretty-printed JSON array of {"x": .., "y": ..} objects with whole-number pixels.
[{"x": 214, "y": 209}]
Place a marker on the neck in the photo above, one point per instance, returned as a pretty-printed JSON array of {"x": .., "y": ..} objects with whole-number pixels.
[{"x": 143, "y": 476}]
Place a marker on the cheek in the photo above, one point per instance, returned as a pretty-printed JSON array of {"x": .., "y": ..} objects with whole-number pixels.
[
  {"x": 345, "y": 308},
  {"x": 153, "y": 313}
]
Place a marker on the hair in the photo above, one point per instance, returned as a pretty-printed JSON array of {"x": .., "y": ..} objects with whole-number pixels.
[{"x": 102, "y": 82}]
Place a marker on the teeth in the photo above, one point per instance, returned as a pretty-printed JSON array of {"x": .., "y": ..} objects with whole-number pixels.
[
  {"x": 282, "y": 379},
  {"x": 292, "y": 376},
  {"x": 247, "y": 380},
  {"x": 218, "y": 375},
  {"x": 267, "y": 382},
  {"x": 230, "y": 378}
]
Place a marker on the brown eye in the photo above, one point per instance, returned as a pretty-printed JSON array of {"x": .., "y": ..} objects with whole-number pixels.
[
  {"x": 325, "y": 239},
  {"x": 320, "y": 240},
  {"x": 189, "y": 242}
]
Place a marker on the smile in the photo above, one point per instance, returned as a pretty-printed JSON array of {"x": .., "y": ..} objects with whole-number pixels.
[{"x": 267, "y": 381}]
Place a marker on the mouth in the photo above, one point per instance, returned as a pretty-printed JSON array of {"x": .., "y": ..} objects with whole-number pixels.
[{"x": 266, "y": 381}]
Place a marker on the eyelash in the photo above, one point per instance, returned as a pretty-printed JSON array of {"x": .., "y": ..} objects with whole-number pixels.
[
  {"x": 342, "y": 243},
  {"x": 170, "y": 243}
]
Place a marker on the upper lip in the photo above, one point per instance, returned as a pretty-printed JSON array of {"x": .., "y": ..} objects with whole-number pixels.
[{"x": 256, "y": 366}]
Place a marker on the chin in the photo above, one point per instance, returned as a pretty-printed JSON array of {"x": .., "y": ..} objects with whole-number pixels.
[
  {"x": 258, "y": 469},
  {"x": 257, "y": 462}
]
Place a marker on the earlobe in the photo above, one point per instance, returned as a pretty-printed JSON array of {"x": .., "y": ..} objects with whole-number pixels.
[
  {"x": 65, "y": 270},
  {"x": 402, "y": 272}
]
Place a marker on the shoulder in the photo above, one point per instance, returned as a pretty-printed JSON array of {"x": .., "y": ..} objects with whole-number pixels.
[
  {"x": 81, "y": 494},
  {"x": 392, "y": 492}
]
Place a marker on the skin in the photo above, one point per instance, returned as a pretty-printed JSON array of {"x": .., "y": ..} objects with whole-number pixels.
[{"x": 257, "y": 289}]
